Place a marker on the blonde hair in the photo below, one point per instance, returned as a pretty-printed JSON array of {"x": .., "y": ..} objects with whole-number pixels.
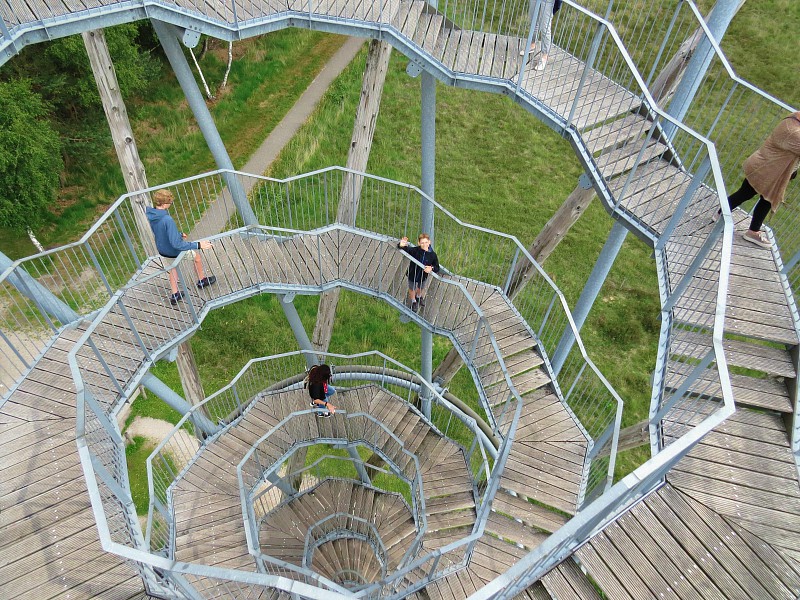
[
  {"x": 423, "y": 236},
  {"x": 162, "y": 197}
]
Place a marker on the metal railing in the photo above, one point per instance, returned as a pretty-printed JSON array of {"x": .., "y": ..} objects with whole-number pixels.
[
  {"x": 262, "y": 378},
  {"x": 81, "y": 276},
  {"x": 258, "y": 471},
  {"x": 309, "y": 202},
  {"x": 689, "y": 150},
  {"x": 345, "y": 526}
]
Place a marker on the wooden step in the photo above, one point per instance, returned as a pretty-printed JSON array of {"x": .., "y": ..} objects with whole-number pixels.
[
  {"x": 531, "y": 514},
  {"x": 616, "y": 133},
  {"x": 568, "y": 581},
  {"x": 738, "y": 353},
  {"x": 621, "y": 160},
  {"x": 765, "y": 393},
  {"x": 513, "y": 531}
]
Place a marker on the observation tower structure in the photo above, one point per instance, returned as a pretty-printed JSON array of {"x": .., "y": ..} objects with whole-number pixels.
[{"x": 510, "y": 498}]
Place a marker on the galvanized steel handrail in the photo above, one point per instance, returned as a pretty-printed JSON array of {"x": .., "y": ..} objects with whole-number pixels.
[
  {"x": 403, "y": 376},
  {"x": 251, "y": 492},
  {"x": 717, "y": 175},
  {"x": 373, "y": 540}
]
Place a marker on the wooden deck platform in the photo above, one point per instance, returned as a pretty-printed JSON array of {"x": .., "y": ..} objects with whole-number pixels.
[{"x": 47, "y": 529}]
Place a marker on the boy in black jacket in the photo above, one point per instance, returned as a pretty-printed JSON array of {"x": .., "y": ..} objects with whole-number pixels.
[{"x": 417, "y": 275}]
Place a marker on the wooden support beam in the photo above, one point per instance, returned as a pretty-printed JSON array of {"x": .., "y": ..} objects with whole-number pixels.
[
  {"x": 135, "y": 179},
  {"x": 121, "y": 132},
  {"x": 363, "y": 131}
]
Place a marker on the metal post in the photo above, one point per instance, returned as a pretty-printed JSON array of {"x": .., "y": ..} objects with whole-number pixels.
[
  {"x": 173, "y": 400},
  {"x": 359, "y": 465},
  {"x": 426, "y": 371},
  {"x": 299, "y": 331},
  {"x": 590, "y": 291},
  {"x": 281, "y": 484},
  {"x": 35, "y": 291},
  {"x": 168, "y": 36},
  {"x": 718, "y": 22},
  {"x": 426, "y": 217},
  {"x": 428, "y": 150}
]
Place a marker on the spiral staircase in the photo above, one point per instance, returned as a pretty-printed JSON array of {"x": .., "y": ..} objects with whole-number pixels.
[{"x": 529, "y": 521}]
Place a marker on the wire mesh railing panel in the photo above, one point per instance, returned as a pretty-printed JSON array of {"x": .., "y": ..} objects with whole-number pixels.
[{"x": 25, "y": 333}]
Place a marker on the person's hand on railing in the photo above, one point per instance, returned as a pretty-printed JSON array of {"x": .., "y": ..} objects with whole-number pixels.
[
  {"x": 204, "y": 244},
  {"x": 404, "y": 243}
]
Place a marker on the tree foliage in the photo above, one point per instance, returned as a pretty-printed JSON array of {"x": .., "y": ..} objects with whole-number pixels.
[
  {"x": 30, "y": 157},
  {"x": 61, "y": 73}
]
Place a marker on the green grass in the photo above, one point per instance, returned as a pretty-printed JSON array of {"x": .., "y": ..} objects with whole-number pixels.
[
  {"x": 136, "y": 454},
  {"x": 496, "y": 166},
  {"x": 759, "y": 38}
]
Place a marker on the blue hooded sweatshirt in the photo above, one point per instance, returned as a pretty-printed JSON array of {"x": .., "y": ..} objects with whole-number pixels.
[{"x": 169, "y": 241}]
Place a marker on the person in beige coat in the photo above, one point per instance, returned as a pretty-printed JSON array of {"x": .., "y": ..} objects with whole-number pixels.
[{"x": 767, "y": 172}]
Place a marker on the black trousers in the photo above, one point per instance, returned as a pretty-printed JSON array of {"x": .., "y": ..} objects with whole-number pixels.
[{"x": 742, "y": 195}]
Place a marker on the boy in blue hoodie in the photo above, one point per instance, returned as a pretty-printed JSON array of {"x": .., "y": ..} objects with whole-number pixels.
[{"x": 170, "y": 242}]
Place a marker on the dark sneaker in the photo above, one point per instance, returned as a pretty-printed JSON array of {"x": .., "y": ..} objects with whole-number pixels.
[
  {"x": 324, "y": 415},
  {"x": 421, "y": 302},
  {"x": 174, "y": 298},
  {"x": 206, "y": 281},
  {"x": 415, "y": 306}
]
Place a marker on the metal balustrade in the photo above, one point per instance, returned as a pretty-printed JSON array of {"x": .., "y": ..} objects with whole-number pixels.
[
  {"x": 259, "y": 479},
  {"x": 344, "y": 526},
  {"x": 178, "y": 450},
  {"x": 597, "y": 43}
]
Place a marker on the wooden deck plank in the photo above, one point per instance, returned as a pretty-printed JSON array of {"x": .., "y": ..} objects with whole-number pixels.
[{"x": 771, "y": 360}]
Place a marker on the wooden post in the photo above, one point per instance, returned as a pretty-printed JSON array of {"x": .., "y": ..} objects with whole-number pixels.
[
  {"x": 135, "y": 179},
  {"x": 357, "y": 156},
  {"x": 124, "y": 142},
  {"x": 190, "y": 376}
]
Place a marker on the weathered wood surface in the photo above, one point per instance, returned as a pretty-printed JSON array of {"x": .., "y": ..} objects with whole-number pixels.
[
  {"x": 651, "y": 199},
  {"x": 650, "y": 551},
  {"x": 48, "y": 529}
]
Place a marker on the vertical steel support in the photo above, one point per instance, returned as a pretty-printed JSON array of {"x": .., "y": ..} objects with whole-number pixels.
[
  {"x": 428, "y": 150},
  {"x": 590, "y": 291},
  {"x": 718, "y": 22},
  {"x": 359, "y": 465},
  {"x": 426, "y": 217},
  {"x": 168, "y": 36},
  {"x": 281, "y": 484},
  {"x": 173, "y": 400},
  {"x": 299, "y": 331}
]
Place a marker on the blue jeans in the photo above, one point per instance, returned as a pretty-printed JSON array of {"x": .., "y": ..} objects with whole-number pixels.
[{"x": 331, "y": 391}]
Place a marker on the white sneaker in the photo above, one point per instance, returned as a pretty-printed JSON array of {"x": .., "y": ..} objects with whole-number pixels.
[{"x": 541, "y": 64}]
